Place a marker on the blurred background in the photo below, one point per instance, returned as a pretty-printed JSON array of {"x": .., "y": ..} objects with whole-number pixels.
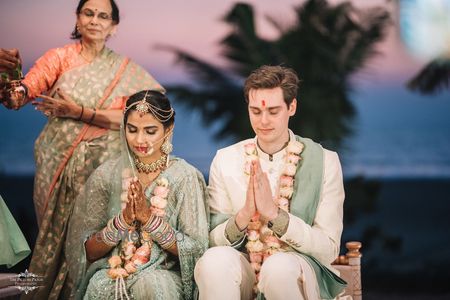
[{"x": 375, "y": 88}]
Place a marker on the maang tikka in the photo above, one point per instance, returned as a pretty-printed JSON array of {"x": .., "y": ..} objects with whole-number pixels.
[{"x": 144, "y": 107}]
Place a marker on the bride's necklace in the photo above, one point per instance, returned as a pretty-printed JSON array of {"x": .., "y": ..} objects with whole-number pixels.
[{"x": 154, "y": 166}]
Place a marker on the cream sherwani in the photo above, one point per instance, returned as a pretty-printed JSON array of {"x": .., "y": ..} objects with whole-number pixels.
[{"x": 228, "y": 186}]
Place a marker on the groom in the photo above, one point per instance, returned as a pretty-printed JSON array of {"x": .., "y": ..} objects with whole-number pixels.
[{"x": 277, "y": 204}]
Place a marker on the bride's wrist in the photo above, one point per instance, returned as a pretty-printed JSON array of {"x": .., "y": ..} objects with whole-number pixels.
[{"x": 146, "y": 217}]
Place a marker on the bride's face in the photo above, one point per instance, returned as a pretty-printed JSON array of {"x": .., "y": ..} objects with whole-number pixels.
[{"x": 144, "y": 135}]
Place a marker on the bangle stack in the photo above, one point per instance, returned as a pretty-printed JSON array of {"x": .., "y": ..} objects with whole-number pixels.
[
  {"x": 115, "y": 230},
  {"x": 121, "y": 224},
  {"x": 160, "y": 231},
  {"x": 110, "y": 235}
]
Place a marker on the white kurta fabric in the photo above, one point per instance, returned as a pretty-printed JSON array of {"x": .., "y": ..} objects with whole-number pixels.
[{"x": 227, "y": 189}]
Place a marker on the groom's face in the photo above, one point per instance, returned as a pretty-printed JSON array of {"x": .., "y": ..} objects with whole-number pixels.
[{"x": 269, "y": 114}]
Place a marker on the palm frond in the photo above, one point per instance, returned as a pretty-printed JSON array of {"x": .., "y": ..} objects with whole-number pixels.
[
  {"x": 434, "y": 77},
  {"x": 207, "y": 74},
  {"x": 244, "y": 49},
  {"x": 325, "y": 45}
]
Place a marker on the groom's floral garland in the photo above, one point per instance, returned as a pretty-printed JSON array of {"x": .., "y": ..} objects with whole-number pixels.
[
  {"x": 135, "y": 252},
  {"x": 261, "y": 240}
]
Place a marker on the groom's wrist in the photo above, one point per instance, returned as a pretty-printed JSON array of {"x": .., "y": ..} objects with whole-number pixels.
[
  {"x": 280, "y": 224},
  {"x": 232, "y": 230}
]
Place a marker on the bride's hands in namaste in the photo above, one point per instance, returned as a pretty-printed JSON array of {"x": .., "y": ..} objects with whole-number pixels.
[
  {"x": 128, "y": 212},
  {"x": 141, "y": 208}
]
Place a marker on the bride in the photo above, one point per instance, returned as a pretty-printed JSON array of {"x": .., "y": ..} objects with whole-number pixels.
[{"x": 142, "y": 221}]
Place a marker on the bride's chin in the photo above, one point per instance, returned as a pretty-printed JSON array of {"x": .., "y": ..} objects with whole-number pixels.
[{"x": 142, "y": 155}]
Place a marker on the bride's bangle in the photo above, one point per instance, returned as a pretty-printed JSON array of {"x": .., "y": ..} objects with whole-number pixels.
[
  {"x": 160, "y": 231},
  {"x": 121, "y": 224},
  {"x": 110, "y": 235}
]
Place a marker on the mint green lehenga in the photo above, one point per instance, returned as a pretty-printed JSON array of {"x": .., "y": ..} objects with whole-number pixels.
[{"x": 165, "y": 276}]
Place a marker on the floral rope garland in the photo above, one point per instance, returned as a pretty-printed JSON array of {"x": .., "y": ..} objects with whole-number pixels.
[
  {"x": 262, "y": 242},
  {"x": 136, "y": 245}
]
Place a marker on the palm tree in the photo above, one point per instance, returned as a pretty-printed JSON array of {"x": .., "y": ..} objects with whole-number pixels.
[
  {"x": 325, "y": 45},
  {"x": 433, "y": 77}
]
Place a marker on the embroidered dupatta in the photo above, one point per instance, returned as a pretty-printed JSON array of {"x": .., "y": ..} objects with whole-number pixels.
[
  {"x": 304, "y": 202},
  {"x": 65, "y": 156},
  {"x": 163, "y": 276}
]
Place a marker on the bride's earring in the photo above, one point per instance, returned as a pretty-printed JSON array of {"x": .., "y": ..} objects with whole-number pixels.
[{"x": 167, "y": 147}]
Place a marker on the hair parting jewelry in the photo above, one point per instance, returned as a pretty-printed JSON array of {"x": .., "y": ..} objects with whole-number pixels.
[{"x": 143, "y": 107}]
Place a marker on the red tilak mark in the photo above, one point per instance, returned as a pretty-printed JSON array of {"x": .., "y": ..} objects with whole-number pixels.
[{"x": 263, "y": 102}]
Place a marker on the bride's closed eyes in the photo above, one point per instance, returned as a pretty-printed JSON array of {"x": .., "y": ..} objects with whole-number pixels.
[{"x": 149, "y": 129}]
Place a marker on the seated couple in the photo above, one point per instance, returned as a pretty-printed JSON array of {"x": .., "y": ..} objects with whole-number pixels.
[{"x": 141, "y": 228}]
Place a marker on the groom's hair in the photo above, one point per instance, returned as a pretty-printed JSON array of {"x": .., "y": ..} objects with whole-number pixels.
[{"x": 269, "y": 77}]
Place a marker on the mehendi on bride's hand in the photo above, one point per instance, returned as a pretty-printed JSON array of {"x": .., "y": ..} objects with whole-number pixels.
[{"x": 141, "y": 208}]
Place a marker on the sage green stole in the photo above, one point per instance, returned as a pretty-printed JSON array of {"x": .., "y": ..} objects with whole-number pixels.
[
  {"x": 304, "y": 202},
  {"x": 13, "y": 246}
]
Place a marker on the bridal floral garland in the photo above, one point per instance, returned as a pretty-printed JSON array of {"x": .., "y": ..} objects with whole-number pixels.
[
  {"x": 135, "y": 252},
  {"x": 261, "y": 240}
]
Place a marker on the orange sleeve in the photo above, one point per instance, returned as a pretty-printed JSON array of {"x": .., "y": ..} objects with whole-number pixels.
[{"x": 44, "y": 73}]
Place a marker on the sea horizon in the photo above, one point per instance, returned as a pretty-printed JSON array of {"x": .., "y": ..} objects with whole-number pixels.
[{"x": 396, "y": 134}]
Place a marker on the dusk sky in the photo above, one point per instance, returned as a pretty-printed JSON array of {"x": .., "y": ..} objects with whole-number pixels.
[
  {"x": 194, "y": 26},
  {"x": 380, "y": 96}
]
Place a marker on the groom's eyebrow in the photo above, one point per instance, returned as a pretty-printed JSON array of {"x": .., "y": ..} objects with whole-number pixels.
[{"x": 267, "y": 107}]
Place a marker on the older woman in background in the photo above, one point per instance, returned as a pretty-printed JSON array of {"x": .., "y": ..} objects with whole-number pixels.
[{"x": 83, "y": 87}]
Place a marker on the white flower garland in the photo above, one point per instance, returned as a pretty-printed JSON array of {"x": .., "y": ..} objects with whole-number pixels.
[
  {"x": 261, "y": 240},
  {"x": 135, "y": 252}
]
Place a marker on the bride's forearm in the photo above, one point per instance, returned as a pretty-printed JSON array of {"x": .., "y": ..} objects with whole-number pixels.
[{"x": 96, "y": 248}]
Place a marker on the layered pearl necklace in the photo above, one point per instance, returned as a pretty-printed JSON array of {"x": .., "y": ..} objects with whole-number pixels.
[{"x": 261, "y": 240}]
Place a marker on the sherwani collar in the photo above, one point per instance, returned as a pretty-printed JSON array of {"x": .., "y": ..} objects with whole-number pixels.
[{"x": 278, "y": 156}]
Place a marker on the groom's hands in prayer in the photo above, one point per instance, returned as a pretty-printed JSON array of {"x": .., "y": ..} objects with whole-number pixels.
[{"x": 263, "y": 194}]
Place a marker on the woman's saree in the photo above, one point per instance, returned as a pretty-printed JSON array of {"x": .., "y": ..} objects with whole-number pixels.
[{"x": 67, "y": 151}]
